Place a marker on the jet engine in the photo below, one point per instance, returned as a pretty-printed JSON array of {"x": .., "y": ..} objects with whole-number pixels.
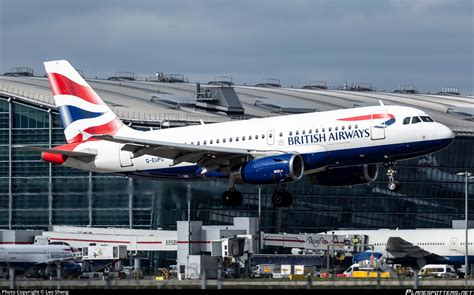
[
  {"x": 345, "y": 176},
  {"x": 270, "y": 170}
]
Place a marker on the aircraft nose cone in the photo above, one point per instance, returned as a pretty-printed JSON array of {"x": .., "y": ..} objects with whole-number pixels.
[{"x": 444, "y": 132}]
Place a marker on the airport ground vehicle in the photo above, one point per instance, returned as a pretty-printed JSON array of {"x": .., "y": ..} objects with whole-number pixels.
[
  {"x": 263, "y": 271},
  {"x": 437, "y": 271}
]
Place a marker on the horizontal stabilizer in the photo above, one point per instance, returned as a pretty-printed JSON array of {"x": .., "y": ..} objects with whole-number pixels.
[{"x": 79, "y": 155}]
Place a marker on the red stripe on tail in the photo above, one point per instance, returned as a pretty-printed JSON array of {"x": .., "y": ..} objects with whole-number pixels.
[{"x": 61, "y": 85}]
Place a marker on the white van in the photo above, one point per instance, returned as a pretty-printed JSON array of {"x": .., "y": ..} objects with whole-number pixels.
[{"x": 437, "y": 271}]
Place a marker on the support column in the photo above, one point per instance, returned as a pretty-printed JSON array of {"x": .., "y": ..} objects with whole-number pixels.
[
  {"x": 89, "y": 196},
  {"x": 130, "y": 190},
  {"x": 50, "y": 173},
  {"x": 10, "y": 163}
]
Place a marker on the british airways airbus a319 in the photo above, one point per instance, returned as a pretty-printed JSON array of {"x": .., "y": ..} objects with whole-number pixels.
[{"x": 333, "y": 148}]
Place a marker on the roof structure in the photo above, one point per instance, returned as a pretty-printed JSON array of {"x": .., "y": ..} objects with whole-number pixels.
[{"x": 173, "y": 102}]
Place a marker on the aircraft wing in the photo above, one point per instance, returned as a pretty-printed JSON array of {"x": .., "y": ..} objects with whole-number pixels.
[
  {"x": 210, "y": 157},
  {"x": 86, "y": 157},
  {"x": 401, "y": 251}
]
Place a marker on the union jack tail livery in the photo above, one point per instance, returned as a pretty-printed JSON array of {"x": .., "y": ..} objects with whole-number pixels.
[{"x": 79, "y": 106}]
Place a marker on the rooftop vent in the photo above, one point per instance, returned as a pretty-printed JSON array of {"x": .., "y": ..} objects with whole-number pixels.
[
  {"x": 316, "y": 85},
  {"x": 406, "y": 89},
  {"x": 170, "y": 78},
  {"x": 218, "y": 98},
  {"x": 222, "y": 80},
  {"x": 20, "y": 71},
  {"x": 269, "y": 82},
  {"x": 361, "y": 87},
  {"x": 449, "y": 91},
  {"x": 122, "y": 76}
]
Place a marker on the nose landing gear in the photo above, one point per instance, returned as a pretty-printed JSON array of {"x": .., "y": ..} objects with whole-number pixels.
[
  {"x": 232, "y": 198},
  {"x": 392, "y": 185}
]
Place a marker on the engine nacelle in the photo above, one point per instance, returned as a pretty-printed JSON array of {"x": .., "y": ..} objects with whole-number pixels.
[
  {"x": 270, "y": 170},
  {"x": 345, "y": 176}
]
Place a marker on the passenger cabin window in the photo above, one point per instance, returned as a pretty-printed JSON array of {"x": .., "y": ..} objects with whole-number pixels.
[
  {"x": 303, "y": 132},
  {"x": 291, "y": 133},
  {"x": 406, "y": 121},
  {"x": 281, "y": 134},
  {"x": 230, "y": 139},
  {"x": 256, "y": 136},
  {"x": 310, "y": 131},
  {"x": 415, "y": 120},
  {"x": 204, "y": 142},
  {"x": 211, "y": 141},
  {"x": 217, "y": 140}
]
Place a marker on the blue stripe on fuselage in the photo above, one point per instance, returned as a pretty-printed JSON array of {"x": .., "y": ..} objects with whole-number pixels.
[{"x": 372, "y": 154}]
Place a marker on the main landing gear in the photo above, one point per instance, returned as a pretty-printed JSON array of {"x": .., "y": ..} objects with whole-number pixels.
[
  {"x": 282, "y": 198},
  {"x": 393, "y": 185},
  {"x": 232, "y": 198}
]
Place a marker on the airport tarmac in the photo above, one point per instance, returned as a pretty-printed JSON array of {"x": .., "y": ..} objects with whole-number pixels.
[{"x": 243, "y": 283}]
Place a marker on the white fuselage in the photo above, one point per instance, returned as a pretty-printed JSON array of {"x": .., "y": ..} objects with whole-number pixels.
[
  {"x": 34, "y": 253},
  {"x": 321, "y": 132},
  {"x": 443, "y": 242}
]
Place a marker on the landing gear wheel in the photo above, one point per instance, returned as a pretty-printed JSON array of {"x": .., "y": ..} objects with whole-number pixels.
[
  {"x": 232, "y": 198},
  {"x": 394, "y": 186},
  {"x": 282, "y": 199}
]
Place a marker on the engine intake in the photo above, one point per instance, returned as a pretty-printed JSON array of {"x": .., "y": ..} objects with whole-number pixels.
[
  {"x": 345, "y": 176},
  {"x": 270, "y": 170}
]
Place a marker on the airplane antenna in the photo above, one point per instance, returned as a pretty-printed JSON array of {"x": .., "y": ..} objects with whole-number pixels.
[
  {"x": 202, "y": 122},
  {"x": 381, "y": 103}
]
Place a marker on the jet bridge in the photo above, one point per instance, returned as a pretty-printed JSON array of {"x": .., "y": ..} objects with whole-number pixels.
[{"x": 315, "y": 242}]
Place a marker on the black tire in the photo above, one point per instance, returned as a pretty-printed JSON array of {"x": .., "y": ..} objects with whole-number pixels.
[
  {"x": 394, "y": 186},
  {"x": 278, "y": 199},
  {"x": 232, "y": 198}
]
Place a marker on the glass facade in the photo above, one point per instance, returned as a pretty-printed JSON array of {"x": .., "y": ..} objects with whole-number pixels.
[{"x": 35, "y": 194}]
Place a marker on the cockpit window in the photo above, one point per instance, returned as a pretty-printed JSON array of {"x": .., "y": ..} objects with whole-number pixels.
[
  {"x": 415, "y": 120},
  {"x": 426, "y": 119},
  {"x": 406, "y": 121}
]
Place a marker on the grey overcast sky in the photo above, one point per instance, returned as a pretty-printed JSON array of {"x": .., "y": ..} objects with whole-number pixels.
[{"x": 388, "y": 43}]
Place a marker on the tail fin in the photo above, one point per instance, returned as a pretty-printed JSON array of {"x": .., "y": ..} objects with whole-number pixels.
[{"x": 80, "y": 108}]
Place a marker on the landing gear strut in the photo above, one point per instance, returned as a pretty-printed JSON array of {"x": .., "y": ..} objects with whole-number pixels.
[
  {"x": 232, "y": 198},
  {"x": 282, "y": 198},
  {"x": 393, "y": 185}
]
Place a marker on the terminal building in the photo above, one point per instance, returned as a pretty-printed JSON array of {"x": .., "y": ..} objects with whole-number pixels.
[{"x": 38, "y": 195}]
